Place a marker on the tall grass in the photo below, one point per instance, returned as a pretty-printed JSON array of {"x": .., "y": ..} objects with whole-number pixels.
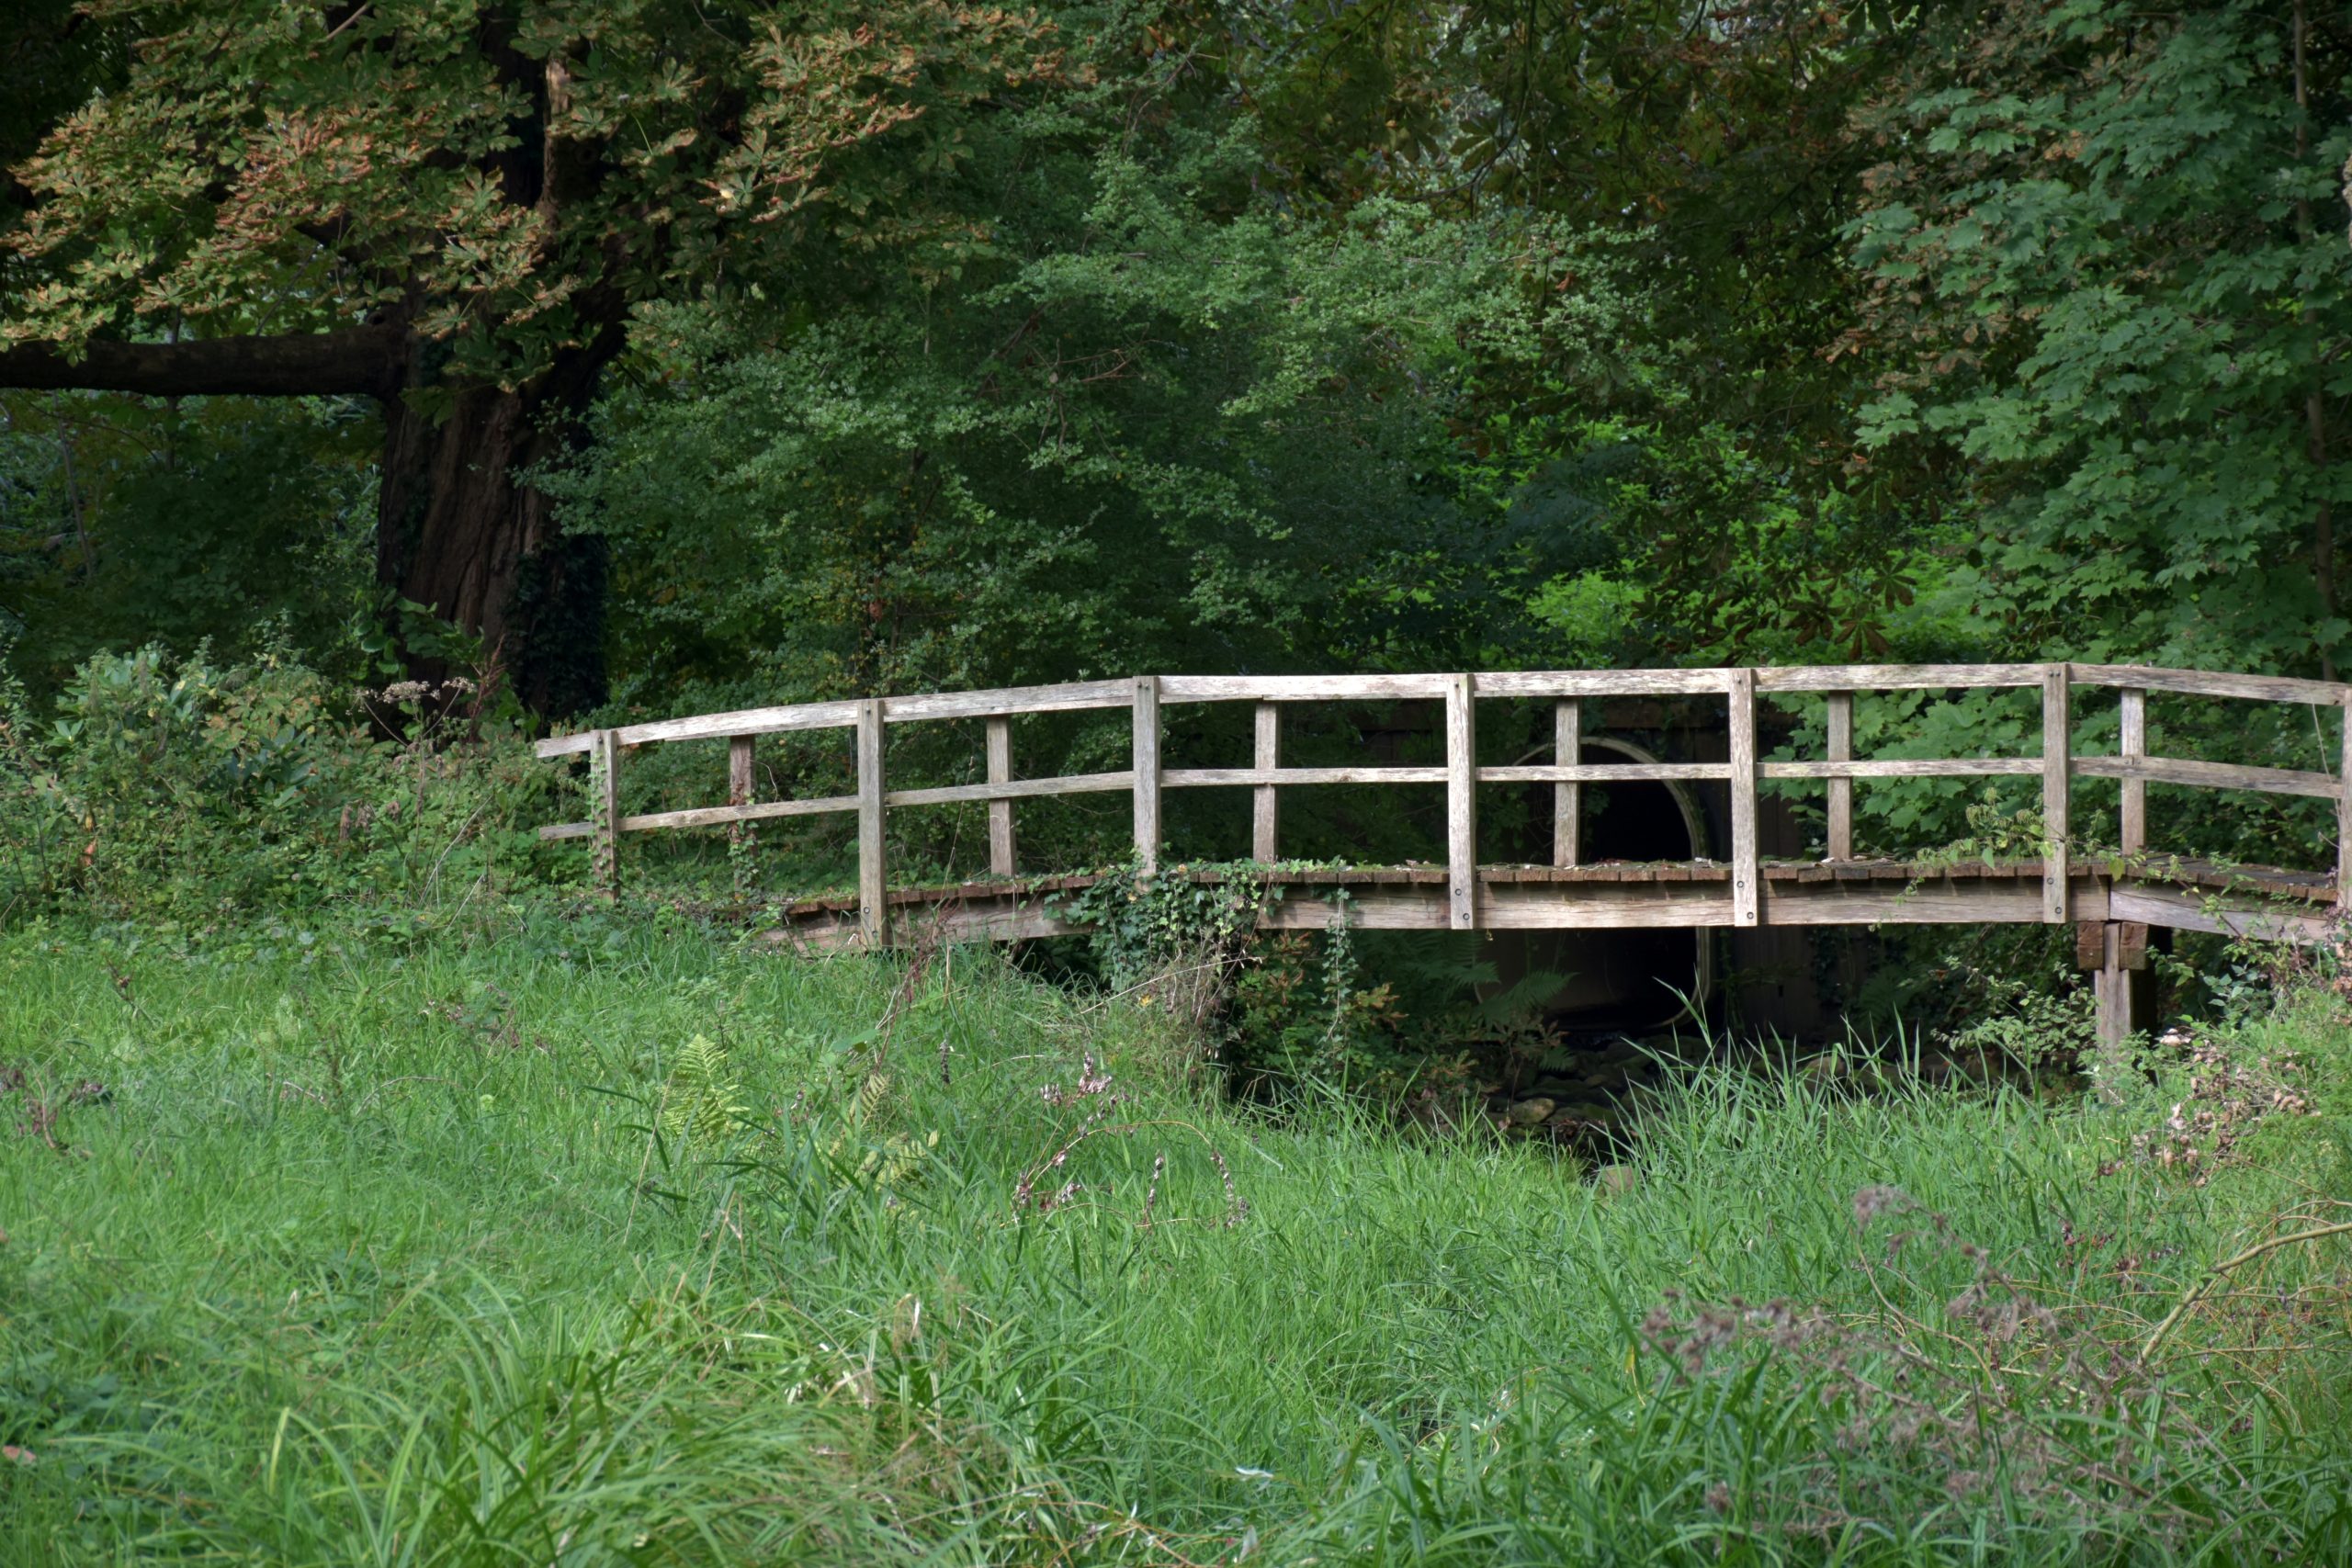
[{"x": 371, "y": 1246}]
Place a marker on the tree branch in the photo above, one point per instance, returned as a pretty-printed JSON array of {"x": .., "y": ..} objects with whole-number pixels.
[{"x": 362, "y": 360}]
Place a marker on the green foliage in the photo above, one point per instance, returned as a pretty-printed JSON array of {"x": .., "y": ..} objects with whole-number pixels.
[
  {"x": 1104, "y": 447},
  {"x": 2105, "y": 253},
  {"x": 701, "y": 1097},
  {"x": 458, "y": 1310},
  {"x": 186, "y": 788},
  {"x": 241, "y": 522},
  {"x": 502, "y": 182}
]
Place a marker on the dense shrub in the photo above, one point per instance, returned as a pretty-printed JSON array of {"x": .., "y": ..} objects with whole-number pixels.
[{"x": 201, "y": 788}]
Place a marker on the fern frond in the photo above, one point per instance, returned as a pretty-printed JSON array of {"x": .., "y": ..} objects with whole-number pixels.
[{"x": 700, "y": 1098}]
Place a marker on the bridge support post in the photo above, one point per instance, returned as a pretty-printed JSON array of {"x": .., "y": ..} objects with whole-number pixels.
[
  {"x": 873, "y": 883},
  {"x": 2057, "y": 736},
  {"x": 1461, "y": 803},
  {"x": 1146, "y": 773},
  {"x": 1746, "y": 870},
  {"x": 2123, "y": 983}
]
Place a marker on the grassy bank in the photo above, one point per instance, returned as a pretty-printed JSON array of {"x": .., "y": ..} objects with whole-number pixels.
[{"x": 389, "y": 1244}]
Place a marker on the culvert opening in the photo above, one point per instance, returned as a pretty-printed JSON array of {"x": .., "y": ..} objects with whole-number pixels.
[{"x": 1618, "y": 982}]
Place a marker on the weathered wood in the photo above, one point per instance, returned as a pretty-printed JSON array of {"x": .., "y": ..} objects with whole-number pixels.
[
  {"x": 2111, "y": 996},
  {"x": 2057, "y": 740},
  {"x": 1468, "y": 890},
  {"x": 1905, "y": 768},
  {"x": 996, "y": 912},
  {"x": 1745, "y": 880},
  {"x": 2207, "y": 775},
  {"x": 1212, "y": 778},
  {"x": 873, "y": 882},
  {"x": 1567, "y": 794},
  {"x": 1946, "y": 903},
  {"x": 1299, "y": 688},
  {"x": 605, "y": 779},
  {"x": 738, "y": 786},
  {"x": 1896, "y": 677},
  {"x": 1146, "y": 699},
  {"x": 1069, "y": 697},
  {"x": 2212, "y": 683},
  {"x": 1462, "y": 803},
  {"x": 2344, "y": 817},
  {"x": 726, "y": 816},
  {"x": 2192, "y": 910},
  {"x": 1012, "y": 789},
  {"x": 720, "y": 725},
  {"x": 999, "y": 762},
  {"x": 1840, "y": 843},
  {"x": 2132, "y": 743},
  {"x": 738, "y": 770},
  {"x": 1598, "y": 682},
  {"x": 1264, "y": 807},
  {"x": 1600, "y": 772}
]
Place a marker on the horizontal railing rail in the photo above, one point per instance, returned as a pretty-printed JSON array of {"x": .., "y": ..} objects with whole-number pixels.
[{"x": 1143, "y": 697}]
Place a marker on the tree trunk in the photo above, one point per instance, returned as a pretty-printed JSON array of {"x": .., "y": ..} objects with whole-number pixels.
[
  {"x": 459, "y": 531},
  {"x": 456, "y": 529}
]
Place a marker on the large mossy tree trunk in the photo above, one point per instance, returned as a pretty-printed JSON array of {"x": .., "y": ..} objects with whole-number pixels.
[{"x": 461, "y": 530}]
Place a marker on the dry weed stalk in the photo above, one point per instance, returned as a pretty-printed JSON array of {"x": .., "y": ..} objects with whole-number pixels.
[
  {"x": 1097, "y": 1101},
  {"x": 2006, "y": 1394}
]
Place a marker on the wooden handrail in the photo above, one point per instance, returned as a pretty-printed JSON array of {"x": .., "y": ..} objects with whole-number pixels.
[{"x": 1460, "y": 775}]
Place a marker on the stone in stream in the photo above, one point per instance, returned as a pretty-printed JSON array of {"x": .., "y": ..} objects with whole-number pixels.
[{"x": 1527, "y": 1113}]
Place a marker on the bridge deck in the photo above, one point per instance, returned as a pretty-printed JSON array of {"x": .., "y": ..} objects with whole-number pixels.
[{"x": 2257, "y": 901}]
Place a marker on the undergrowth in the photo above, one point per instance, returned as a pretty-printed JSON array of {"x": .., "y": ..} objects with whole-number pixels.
[{"x": 526, "y": 1235}]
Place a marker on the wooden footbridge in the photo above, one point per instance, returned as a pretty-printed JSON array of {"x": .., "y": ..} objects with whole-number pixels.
[{"x": 2113, "y": 897}]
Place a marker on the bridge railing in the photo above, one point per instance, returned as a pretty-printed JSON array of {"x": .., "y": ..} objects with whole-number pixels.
[{"x": 1146, "y": 780}]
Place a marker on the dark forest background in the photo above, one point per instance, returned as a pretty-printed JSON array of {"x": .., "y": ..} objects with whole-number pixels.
[{"x": 649, "y": 356}]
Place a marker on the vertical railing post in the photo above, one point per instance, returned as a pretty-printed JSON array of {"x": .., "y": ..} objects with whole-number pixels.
[
  {"x": 1146, "y": 773},
  {"x": 2056, "y": 764},
  {"x": 1264, "y": 808},
  {"x": 1746, "y": 868},
  {"x": 873, "y": 884},
  {"x": 1461, "y": 802},
  {"x": 2132, "y": 745},
  {"x": 1841, "y": 791},
  {"x": 2344, "y": 817},
  {"x": 1001, "y": 856},
  {"x": 739, "y": 784},
  {"x": 604, "y": 780},
  {"x": 1567, "y": 797}
]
